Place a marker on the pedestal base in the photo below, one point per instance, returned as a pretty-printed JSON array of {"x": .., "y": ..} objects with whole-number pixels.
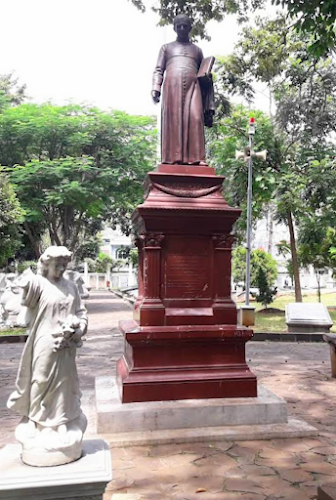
[
  {"x": 85, "y": 479},
  {"x": 159, "y": 422},
  {"x": 184, "y": 362},
  {"x": 48, "y": 447},
  {"x": 186, "y": 344},
  {"x": 262, "y": 417}
]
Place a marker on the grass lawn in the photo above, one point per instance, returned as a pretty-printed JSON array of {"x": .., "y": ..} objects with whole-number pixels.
[
  {"x": 275, "y": 321},
  {"x": 13, "y": 331}
]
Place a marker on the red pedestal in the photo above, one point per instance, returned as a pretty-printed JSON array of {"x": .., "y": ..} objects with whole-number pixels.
[{"x": 185, "y": 343}]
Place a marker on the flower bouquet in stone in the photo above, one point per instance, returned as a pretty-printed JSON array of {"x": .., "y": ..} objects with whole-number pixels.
[{"x": 69, "y": 334}]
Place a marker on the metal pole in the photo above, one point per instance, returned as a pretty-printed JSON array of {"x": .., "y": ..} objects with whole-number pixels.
[{"x": 249, "y": 224}]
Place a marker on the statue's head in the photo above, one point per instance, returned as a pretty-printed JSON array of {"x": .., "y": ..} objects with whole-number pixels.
[
  {"x": 182, "y": 25},
  {"x": 53, "y": 262}
]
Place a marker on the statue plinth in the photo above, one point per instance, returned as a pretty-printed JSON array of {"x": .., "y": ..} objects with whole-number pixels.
[{"x": 184, "y": 342}]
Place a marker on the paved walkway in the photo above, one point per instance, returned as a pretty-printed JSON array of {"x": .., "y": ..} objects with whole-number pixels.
[{"x": 253, "y": 470}]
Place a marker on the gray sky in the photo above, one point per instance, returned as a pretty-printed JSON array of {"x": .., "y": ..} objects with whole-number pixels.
[{"x": 100, "y": 52}]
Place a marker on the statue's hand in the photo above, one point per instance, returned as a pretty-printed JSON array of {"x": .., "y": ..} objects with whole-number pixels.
[
  {"x": 77, "y": 335},
  {"x": 156, "y": 96}
]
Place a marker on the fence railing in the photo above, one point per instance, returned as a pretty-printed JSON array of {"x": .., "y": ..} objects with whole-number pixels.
[{"x": 108, "y": 281}]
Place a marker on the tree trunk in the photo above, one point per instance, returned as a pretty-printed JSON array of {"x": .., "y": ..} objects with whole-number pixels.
[
  {"x": 35, "y": 244},
  {"x": 76, "y": 231},
  {"x": 270, "y": 236},
  {"x": 270, "y": 100},
  {"x": 53, "y": 231},
  {"x": 270, "y": 229},
  {"x": 296, "y": 271},
  {"x": 318, "y": 279}
]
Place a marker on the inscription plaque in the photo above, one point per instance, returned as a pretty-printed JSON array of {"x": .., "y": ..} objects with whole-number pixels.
[{"x": 187, "y": 269}]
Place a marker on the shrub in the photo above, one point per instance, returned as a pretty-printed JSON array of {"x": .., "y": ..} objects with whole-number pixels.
[
  {"x": 25, "y": 264},
  {"x": 266, "y": 291}
]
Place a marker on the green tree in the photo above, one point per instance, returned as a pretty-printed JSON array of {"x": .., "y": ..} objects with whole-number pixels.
[
  {"x": 10, "y": 217},
  {"x": 74, "y": 167},
  {"x": 330, "y": 247},
  {"x": 259, "y": 260},
  {"x": 266, "y": 292},
  {"x": 316, "y": 18},
  {"x": 284, "y": 250},
  {"x": 230, "y": 134},
  {"x": 102, "y": 262},
  {"x": 311, "y": 249},
  {"x": 201, "y": 11},
  {"x": 11, "y": 92},
  {"x": 316, "y": 246},
  {"x": 89, "y": 249},
  {"x": 304, "y": 89},
  {"x": 134, "y": 257},
  {"x": 261, "y": 55},
  {"x": 289, "y": 208},
  {"x": 26, "y": 264},
  {"x": 316, "y": 233},
  {"x": 62, "y": 195},
  {"x": 313, "y": 17}
]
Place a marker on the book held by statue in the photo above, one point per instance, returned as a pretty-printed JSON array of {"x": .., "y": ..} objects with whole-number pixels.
[{"x": 205, "y": 67}]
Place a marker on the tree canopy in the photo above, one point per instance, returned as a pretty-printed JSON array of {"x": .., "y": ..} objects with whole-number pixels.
[
  {"x": 298, "y": 135},
  {"x": 11, "y": 216},
  {"x": 11, "y": 92},
  {"x": 74, "y": 166},
  {"x": 309, "y": 16},
  {"x": 315, "y": 17},
  {"x": 227, "y": 136},
  {"x": 259, "y": 260}
]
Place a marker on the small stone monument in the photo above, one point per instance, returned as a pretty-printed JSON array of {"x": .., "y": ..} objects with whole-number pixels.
[{"x": 308, "y": 318}]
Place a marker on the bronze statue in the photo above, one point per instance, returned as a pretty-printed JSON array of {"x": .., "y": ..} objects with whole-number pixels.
[{"x": 187, "y": 103}]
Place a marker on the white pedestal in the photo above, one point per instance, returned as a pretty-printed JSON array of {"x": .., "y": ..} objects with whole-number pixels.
[
  {"x": 263, "y": 417},
  {"x": 84, "y": 479},
  {"x": 308, "y": 318}
]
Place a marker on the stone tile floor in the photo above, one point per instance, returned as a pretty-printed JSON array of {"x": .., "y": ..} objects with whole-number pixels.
[{"x": 283, "y": 469}]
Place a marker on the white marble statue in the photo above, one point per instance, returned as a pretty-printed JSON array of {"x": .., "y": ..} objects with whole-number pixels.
[
  {"x": 47, "y": 387},
  {"x": 76, "y": 278},
  {"x": 10, "y": 301}
]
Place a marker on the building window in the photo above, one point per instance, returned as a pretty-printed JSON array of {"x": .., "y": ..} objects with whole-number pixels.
[{"x": 122, "y": 253}]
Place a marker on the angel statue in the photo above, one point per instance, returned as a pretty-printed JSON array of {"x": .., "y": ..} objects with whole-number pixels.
[{"x": 47, "y": 386}]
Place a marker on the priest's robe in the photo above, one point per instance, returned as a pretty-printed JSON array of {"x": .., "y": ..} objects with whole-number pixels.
[{"x": 182, "y": 118}]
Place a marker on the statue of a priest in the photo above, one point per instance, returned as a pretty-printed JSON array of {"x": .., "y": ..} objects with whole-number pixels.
[{"x": 187, "y": 102}]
